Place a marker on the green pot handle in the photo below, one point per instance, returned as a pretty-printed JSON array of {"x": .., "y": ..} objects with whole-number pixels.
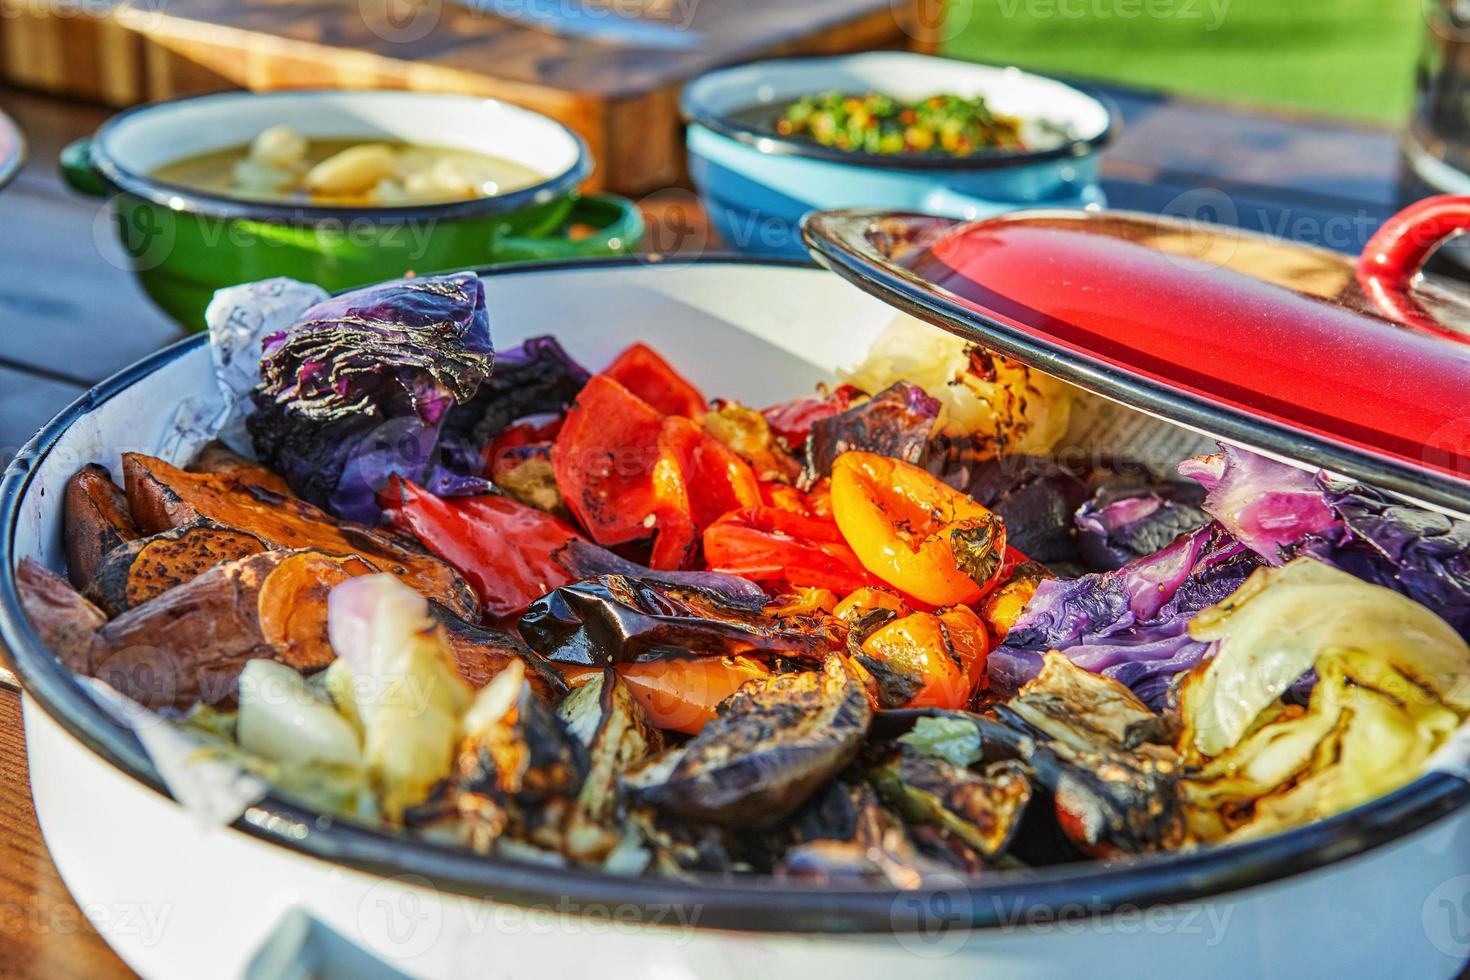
[
  {"x": 77, "y": 170},
  {"x": 617, "y": 224}
]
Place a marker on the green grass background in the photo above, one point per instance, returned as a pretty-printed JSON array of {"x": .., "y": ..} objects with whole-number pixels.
[{"x": 1346, "y": 57}]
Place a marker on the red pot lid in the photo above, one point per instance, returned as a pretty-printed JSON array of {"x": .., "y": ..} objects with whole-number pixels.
[{"x": 1358, "y": 366}]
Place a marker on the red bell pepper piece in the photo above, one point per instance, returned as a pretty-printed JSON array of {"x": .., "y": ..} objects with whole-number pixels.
[
  {"x": 502, "y": 548},
  {"x": 643, "y": 372},
  {"x": 603, "y": 460},
  {"x": 696, "y": 480},
  {"x": 793, "y": 420},
  {"x": 767, "y": 544}
]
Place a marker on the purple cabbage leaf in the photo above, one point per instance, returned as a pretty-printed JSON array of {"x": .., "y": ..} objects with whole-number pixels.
[
  {"x": 360, "y": 386},
  {"x": 1131, "y": 623},
  {"x": 1268, "y": 506},
  {"x": 1123, "y": 521},
  {"x": 1282, "y": 512}
]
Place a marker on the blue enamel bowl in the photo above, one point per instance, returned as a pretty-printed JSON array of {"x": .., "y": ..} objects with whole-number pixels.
[{"x": 756, "y": 185}]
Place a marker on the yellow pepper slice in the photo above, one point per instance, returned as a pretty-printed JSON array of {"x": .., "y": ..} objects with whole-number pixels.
[{"x": 915, "y": 532}]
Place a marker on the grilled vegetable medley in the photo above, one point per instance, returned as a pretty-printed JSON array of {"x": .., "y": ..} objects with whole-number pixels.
[
  {"x": 875, "y": 633},
  {"x": 871, "y": 122}
]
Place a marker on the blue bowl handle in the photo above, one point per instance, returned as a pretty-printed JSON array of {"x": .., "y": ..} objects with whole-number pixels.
[{"x": 951, "y": 203}]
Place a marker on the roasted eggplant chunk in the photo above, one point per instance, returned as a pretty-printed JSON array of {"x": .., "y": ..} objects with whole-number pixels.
[
  {"x": 482, "y": 652},
  {"x": 620, "y": 618},
  {"x": 144, "y": 568},
  {"x": 162, "y": 497},
  {"x": 65, "y": 621},
  {"x": 1127, "y": 520},
  {"x": 897, "y": 422},
  {"x": 1114, "y": 792},
  {"x": 982, "y": 809},
  {"x": 769, "y": 748},
  {"x": 190, "y": 643},
  {"x": 845, "y": 836},
  {"x": 1082, "y": 710},
  {"x": 95, "y": 521}
]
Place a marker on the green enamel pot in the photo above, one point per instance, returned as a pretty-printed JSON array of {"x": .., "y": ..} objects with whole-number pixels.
[{"x": 183, "y": 243}]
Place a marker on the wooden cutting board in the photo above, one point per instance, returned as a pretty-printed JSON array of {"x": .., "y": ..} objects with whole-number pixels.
[{"x": 615, "y": 83}]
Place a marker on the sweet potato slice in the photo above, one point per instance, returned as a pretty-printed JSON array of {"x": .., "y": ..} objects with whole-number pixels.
[
  {"x": 143, "y": 568},
  {"x": 61, "y": 617},
  {"x": 220, "y": 460},
  {"x": 162, "y": 496},
  {"x": 293, "y": 606},
  {"x": 190, "y": 643},
  {"x": 481, "y": 652},
  {"x": 95, "y": 521}
]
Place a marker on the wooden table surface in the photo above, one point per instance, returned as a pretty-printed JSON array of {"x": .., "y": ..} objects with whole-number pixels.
[{"x": 70, "y": 315}]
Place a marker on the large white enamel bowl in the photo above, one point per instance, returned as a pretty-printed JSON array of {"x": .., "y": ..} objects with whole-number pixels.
[{"x": 1382, "y": 889}]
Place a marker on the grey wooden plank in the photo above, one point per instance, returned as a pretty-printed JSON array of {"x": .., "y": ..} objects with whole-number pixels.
[
  {"x": 1282, "y": 155},
  {"x": 68, "y": 304},
  {"x": 28, "y": 402}
]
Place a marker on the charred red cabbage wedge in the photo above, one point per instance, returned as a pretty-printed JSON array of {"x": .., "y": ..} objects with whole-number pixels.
[
  {"x": 95, "y": 521},
  {"x": 358, "y": 388},
  {"x": 539, "y": 377},
  {"x": 620, "y": 618},
  {"x": 770, "y": 747}
]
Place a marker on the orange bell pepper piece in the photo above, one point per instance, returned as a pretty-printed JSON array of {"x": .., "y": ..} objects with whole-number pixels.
[
  {"x": 914, "y": 532},
  {"x": 942, "y": 653}
]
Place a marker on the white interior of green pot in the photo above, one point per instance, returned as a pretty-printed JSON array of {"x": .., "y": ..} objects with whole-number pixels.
[{"x": 147, "y": 139}]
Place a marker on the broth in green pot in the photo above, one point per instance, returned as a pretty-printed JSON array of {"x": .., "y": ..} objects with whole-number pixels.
[{"x": 282, "y": 166}]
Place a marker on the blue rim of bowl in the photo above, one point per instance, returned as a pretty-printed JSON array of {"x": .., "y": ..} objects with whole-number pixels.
[
  {"x": 766, "y": 141},
  {"x": 762, "y": 905},
  {"x": 177, "y": 197},
  {"x": 10, "y": 165}
]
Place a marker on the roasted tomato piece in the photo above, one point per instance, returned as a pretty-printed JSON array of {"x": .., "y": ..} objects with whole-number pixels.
[
  {"x": 766, "y": 544},
  {"x": 603, "y": 459},
  {"x": 914, "y": 532},
  {"x": 681, "y": 693},
  {"x": 643, "y": 372},
  {"x": 501, "y": 546},
  {"x": 927, "y": 660}
]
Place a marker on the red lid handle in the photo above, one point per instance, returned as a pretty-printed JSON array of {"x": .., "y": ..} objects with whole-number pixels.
[{"x": 1397, "y": 251}]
